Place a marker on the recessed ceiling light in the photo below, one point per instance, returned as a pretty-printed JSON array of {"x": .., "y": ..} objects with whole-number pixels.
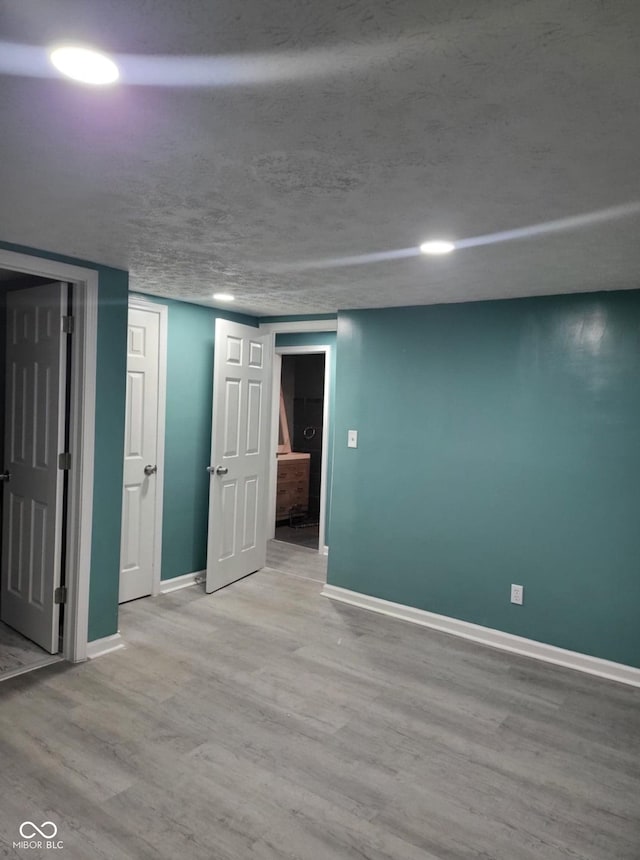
[
  {"x": 224, "y": 297},
  {"x": 437, "y": 246},
  {"x": 85, "y": 65}
]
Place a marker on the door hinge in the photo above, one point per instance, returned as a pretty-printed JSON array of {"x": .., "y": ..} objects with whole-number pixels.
[
  {"x": 68, "y": 325},
  {"x": 60, "y": 594},
  {"x": 64, "y": 461}
]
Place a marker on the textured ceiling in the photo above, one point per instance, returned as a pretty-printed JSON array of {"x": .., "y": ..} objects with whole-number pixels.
[{"x": 355, "y": 127}]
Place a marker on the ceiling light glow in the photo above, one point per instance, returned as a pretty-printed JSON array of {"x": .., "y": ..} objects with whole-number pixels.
[
  {"x": 85, "y": 65},
  {"x": 224, "y": 297},
  {"x": 437, "y": 247}
]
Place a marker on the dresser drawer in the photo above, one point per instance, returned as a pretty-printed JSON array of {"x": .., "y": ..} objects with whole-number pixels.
[
  {"x": 293, "y": 470},
  {"x": 293, "y": 494},
  {"x": 293, "y": 484},
  {"x": 300, "y": 486}
]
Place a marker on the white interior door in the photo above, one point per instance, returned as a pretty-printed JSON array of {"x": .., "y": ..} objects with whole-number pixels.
[
  {"x": 239, "y": 466},
  {"x": 140, "y": 456},
  {"x": 33, "y": 483}
]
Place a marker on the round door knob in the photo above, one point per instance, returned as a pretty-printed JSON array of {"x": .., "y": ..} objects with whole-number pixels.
[
  {"x": 150, "y": 470},
  {"x": 221, "y": 470}
]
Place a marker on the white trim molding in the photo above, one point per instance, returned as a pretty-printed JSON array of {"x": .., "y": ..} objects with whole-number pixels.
[
  {"x": 106, "y": 645},
  {"x": 487, "y": 636},
  {"x": 274, "y": 426},
  {"x": 176, "y": 583},
  {"x": 298, "y": 326}
]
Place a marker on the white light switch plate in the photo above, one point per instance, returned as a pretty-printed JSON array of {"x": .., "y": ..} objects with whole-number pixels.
[
  {"x": 517, "y": 594},
  {"x": 352, "y": 438}
]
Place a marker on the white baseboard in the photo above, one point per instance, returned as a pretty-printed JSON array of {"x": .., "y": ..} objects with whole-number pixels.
[
  {"x": 184, "y": 581},
  {"x": 487, "y": 636},
  {"x": 324, "y": 550},
  {"x": 106, "y": 645}
]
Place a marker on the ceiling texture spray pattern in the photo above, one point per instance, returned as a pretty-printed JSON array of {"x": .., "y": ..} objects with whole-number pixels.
[{"x": 333, "y": 129}]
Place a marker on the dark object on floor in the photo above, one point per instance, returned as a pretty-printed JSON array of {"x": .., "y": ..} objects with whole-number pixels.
[{"x": 301, "y": 520}]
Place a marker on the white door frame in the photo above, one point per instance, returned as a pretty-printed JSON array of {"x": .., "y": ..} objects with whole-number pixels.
[
  {"x": 140, "y": 304},
  {"x": 82, "y": 436},
  {"x": 300, "y": 326},
  {"x": 278, "y": 352}
]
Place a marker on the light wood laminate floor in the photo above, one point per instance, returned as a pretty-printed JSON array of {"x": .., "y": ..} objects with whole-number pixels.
[
  {"x": 297, "y": 560},
  {"x": 267, "y": 722},
  {"x": 18, "y": 654}
]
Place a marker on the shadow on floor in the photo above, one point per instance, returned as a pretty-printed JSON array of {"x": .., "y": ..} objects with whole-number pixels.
[{"x": 300, "y": 536}]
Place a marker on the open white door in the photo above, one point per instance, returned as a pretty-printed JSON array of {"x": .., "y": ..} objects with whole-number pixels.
[
  {"x": 33, "y": 483},
  {"x": 239, "y": 466}
]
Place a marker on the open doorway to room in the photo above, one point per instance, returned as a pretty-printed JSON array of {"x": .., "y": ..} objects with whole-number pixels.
[
  {"x": 299, "y": 503},
  {"x": 48, "y": 321},
  {"x": 33, "y": 418}
]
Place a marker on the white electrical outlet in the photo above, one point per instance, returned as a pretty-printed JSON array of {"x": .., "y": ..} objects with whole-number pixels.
[
  {"x": 517, "y": 594},
  {"x": 352, "y": 438}
]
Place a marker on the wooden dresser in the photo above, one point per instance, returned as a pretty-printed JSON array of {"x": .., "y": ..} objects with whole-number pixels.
[{"x": 293, "y": 484}]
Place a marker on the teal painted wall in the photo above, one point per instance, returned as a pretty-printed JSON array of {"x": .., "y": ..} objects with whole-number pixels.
[
  {"x": 188, "y": 433},
  {"x": 498, "y": 443},
  {"x": 325, "y": 338},
  {"x": 109, "y": 440}
]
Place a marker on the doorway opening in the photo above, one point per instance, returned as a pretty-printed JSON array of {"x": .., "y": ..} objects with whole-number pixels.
[
  {"x": 26, "y": 644},
  {"x": 301, "y": 450},
  {"x": 48, "y": 327}
]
